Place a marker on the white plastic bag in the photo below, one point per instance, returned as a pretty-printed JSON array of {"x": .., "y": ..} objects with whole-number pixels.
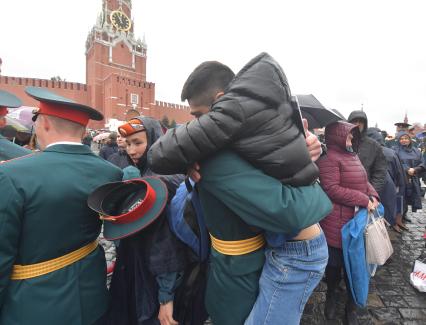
[
  {"x": 418, "y": 276},
  {"x": 377, "y": 242}
]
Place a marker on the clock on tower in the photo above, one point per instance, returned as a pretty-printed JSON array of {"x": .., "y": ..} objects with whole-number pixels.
[{"x": 120, "y": 21}]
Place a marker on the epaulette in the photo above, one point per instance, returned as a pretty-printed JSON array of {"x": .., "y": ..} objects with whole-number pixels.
[{"x": 18, "y": 158}]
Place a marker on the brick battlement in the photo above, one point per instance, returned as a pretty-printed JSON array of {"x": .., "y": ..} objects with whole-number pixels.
[
  {"x": 45, "y": 83},
  {"x": 135, "y": 83},
  {"x": 115, "y": 76},
  {"x": 170, "y": 105}
]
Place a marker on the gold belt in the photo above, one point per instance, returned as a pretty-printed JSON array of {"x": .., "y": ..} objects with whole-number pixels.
[
  {"x": 238, "y": 247},
  {"x": 22, "y": 272}
]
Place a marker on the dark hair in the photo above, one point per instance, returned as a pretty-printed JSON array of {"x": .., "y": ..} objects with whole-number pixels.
[
  {"x": 206, "y": 81},
  {"x": 113, "y": 136}
]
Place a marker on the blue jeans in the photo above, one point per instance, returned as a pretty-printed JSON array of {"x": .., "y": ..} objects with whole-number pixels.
[{"x": 290, "y": 274}]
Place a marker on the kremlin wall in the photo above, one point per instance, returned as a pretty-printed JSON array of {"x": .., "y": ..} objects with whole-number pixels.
[{"x": 115, "y": 73}]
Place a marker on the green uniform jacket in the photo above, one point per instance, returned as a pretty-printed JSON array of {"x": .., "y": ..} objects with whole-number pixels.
[
  {"x": 237, "y": 199},
  {"x": 44, "y": 215},
  {"x": 9, "y": 150}
]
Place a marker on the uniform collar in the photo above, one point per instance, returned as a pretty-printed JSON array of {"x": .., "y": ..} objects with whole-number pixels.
[
  {"x": 64, "y": 142},
  {"x": 73, "y": 148}
]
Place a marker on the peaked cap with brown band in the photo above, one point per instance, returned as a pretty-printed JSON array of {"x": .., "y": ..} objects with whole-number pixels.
[{"x": 67, "y": 109}]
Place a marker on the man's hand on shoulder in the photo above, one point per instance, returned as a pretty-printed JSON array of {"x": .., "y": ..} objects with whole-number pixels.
[
  {"x": 314, "y": 146},
  {"x": 312, "y": 142}
]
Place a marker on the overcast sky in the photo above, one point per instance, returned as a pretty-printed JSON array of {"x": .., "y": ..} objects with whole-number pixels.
[{"x": 346, "y": 53}]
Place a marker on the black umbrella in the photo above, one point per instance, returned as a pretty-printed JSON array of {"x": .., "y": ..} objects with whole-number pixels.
[
  {"x": 338, "y": 113},
  {"x": 315, "y": 113}
]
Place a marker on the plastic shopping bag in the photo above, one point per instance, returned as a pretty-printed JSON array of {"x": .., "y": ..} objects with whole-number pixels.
[{"x": 418, "y": 276}]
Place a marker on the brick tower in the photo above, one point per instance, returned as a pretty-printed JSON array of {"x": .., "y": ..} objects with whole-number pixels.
[
  {"x": 116, "y": 80},
  {"x": 116, "y": 63}
]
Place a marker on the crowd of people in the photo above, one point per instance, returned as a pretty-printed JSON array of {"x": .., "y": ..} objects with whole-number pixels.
[{"x": 273, "y": 201}]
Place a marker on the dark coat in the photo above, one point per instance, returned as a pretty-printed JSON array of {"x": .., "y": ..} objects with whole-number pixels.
[
  {"x": 344, "y": 179},
  {"x": 141, "y": 258},
  {"x": 120, "y": 159},
  {"x": 395, "y": 178},
  {"x": 254, "y": 118},
  {"x": 411, "y": 158},
  {"x": 371, "y": 155},
  {"x": 394, "y": 166},
  {"x": 108, "y": 149},
  {"x": 144, "y": 256}
]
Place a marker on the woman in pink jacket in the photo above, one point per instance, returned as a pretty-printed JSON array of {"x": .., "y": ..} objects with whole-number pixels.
[{"x": 345, "y": 181}]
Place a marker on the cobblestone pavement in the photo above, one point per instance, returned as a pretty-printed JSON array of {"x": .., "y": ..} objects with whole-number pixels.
[
  {"x": 392, "y": 299},
  {"x": 109, "y": 249}
]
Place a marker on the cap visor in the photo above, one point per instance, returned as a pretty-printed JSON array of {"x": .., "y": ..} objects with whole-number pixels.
[{"x": 45, "y": 95}]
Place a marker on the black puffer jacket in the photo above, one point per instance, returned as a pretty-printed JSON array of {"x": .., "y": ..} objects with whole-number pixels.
[
  {"x": 371, "y": 155},
  {"x": 255, "y": 118}
]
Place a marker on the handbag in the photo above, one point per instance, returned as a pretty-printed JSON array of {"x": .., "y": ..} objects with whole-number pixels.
[{"x": 377, "y": 243}]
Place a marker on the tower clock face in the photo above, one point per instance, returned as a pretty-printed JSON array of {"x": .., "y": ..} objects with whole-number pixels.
[{"x": 120, "y": 21}]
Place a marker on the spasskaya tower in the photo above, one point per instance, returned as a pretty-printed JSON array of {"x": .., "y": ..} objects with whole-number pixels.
[{"x": 116, "y": 79}]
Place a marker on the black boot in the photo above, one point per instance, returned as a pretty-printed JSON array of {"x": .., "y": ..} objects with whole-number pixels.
[
  {"x": 332, "y": 277},
  {"x": 351, "y": 314},
  {"x": 330, "y": 304}
]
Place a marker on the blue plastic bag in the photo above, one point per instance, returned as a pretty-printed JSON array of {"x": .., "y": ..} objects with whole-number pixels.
[{"x": 353, "y": 246}]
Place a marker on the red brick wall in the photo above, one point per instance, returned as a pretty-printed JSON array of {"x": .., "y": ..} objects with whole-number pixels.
[
  {"x": 111, "y": 78},
  {"x": 121, "y": 55},
  {"x": 114, "y": 86},
  {"x": 179, "y": 113},
  {"x": 75, "y": 91}
]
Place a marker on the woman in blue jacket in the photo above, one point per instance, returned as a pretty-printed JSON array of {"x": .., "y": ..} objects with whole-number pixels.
[{"x": 414, "y": 165}]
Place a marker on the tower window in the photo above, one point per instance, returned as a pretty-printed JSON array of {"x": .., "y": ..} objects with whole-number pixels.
[{"x": 134, "y": 99}]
